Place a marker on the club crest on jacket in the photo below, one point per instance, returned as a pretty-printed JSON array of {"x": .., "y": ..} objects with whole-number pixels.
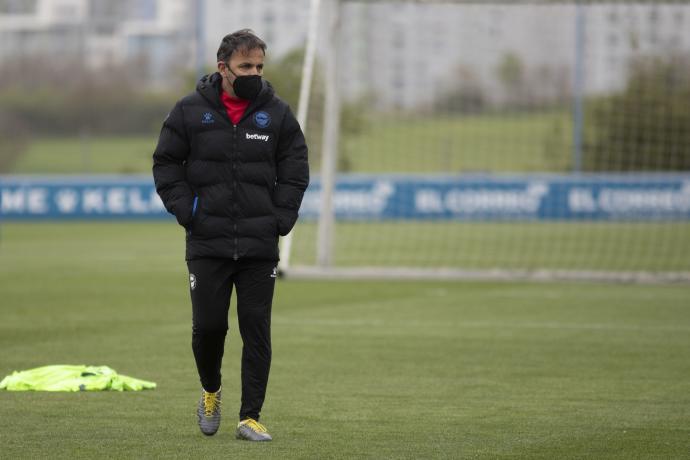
[{"x": 262, "y": 119}]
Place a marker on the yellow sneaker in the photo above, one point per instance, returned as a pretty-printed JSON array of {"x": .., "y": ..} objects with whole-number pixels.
[
  {"x": 251, "y": 430},
  {"x": 209, "y": 412}
]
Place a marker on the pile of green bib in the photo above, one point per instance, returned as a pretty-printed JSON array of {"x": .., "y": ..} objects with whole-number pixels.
[{"x": 72, "y": 378}]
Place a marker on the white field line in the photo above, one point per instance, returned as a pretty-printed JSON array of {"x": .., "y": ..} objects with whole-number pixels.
[
  {"x": 457, "y": 274},
  {"x": 477, "y": 324}
]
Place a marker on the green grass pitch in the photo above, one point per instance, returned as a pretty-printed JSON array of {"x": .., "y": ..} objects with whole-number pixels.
[
  {"x": 360, "y": 370},
  {"x": 612, "y": 246},
  {"x": 450, "y": 144}
]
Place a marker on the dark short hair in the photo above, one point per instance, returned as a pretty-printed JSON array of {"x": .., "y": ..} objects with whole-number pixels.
[{"x": 242, "y": 40}]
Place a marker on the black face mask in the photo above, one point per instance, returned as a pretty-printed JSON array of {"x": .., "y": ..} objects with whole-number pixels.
[{"x": 246, "y": 86}]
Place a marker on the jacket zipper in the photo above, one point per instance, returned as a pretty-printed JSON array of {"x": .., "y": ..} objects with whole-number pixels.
[
  {"x": 234, "y": 190},
  {"x": 252, "y": 108}
]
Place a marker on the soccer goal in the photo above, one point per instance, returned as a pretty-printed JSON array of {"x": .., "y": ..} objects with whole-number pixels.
[{"x": 498, "y": 140}]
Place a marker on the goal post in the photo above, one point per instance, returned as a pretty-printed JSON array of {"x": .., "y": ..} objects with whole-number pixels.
[
  {"x": 303, "y": 105},
  {"x": 466, "y": 140}
]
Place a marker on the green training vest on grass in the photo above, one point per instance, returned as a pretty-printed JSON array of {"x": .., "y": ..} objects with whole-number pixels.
[{"x": 72, "y": 378}]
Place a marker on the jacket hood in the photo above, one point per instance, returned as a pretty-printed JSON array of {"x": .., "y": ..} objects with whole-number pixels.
[{"x": 210, "y": 86}]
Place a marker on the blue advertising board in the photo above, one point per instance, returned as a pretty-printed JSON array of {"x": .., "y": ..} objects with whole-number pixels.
[
  {"x": 381, "y": 197},
  {"x": 79, "y": 197}
]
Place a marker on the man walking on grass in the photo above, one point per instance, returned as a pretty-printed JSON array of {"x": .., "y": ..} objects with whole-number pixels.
[{"x": 231, "y": 166}]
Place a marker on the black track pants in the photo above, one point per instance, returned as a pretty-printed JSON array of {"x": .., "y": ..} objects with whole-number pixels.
[{"x": 211, "y": 282}]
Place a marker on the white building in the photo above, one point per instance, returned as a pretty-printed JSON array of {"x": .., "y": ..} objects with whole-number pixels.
[
  {"x": 54, "y": 28},
  {"x": 156, "y": 33},
  {"x": 281, "y": 24},
  {"x": 401, "y": 54},
  {"x": 162, "y": 38},
  {"x": 406, "y": 54}
]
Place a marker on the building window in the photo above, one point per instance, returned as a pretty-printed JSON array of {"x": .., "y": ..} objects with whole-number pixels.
[
  {"x": 613, "y": 16},
  {"x": 398, "y": 82},
  {"x": 398, "y": 41},
  {"x": 65, "y": 11},
  {"x": 144, "y": 9},
  {"x": 653, "y": 38},
  {"x": 17, "y": 6},
  {"x": 612, "y": 40},
  {"x": 678, "y": 17},
  {"x": 653, "y": 16}
]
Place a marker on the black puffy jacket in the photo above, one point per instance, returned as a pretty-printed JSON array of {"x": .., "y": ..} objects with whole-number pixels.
[{"x": 234, "y": 188}]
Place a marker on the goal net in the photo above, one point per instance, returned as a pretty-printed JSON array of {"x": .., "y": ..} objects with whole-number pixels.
[{"x": 499, "y": 140}]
